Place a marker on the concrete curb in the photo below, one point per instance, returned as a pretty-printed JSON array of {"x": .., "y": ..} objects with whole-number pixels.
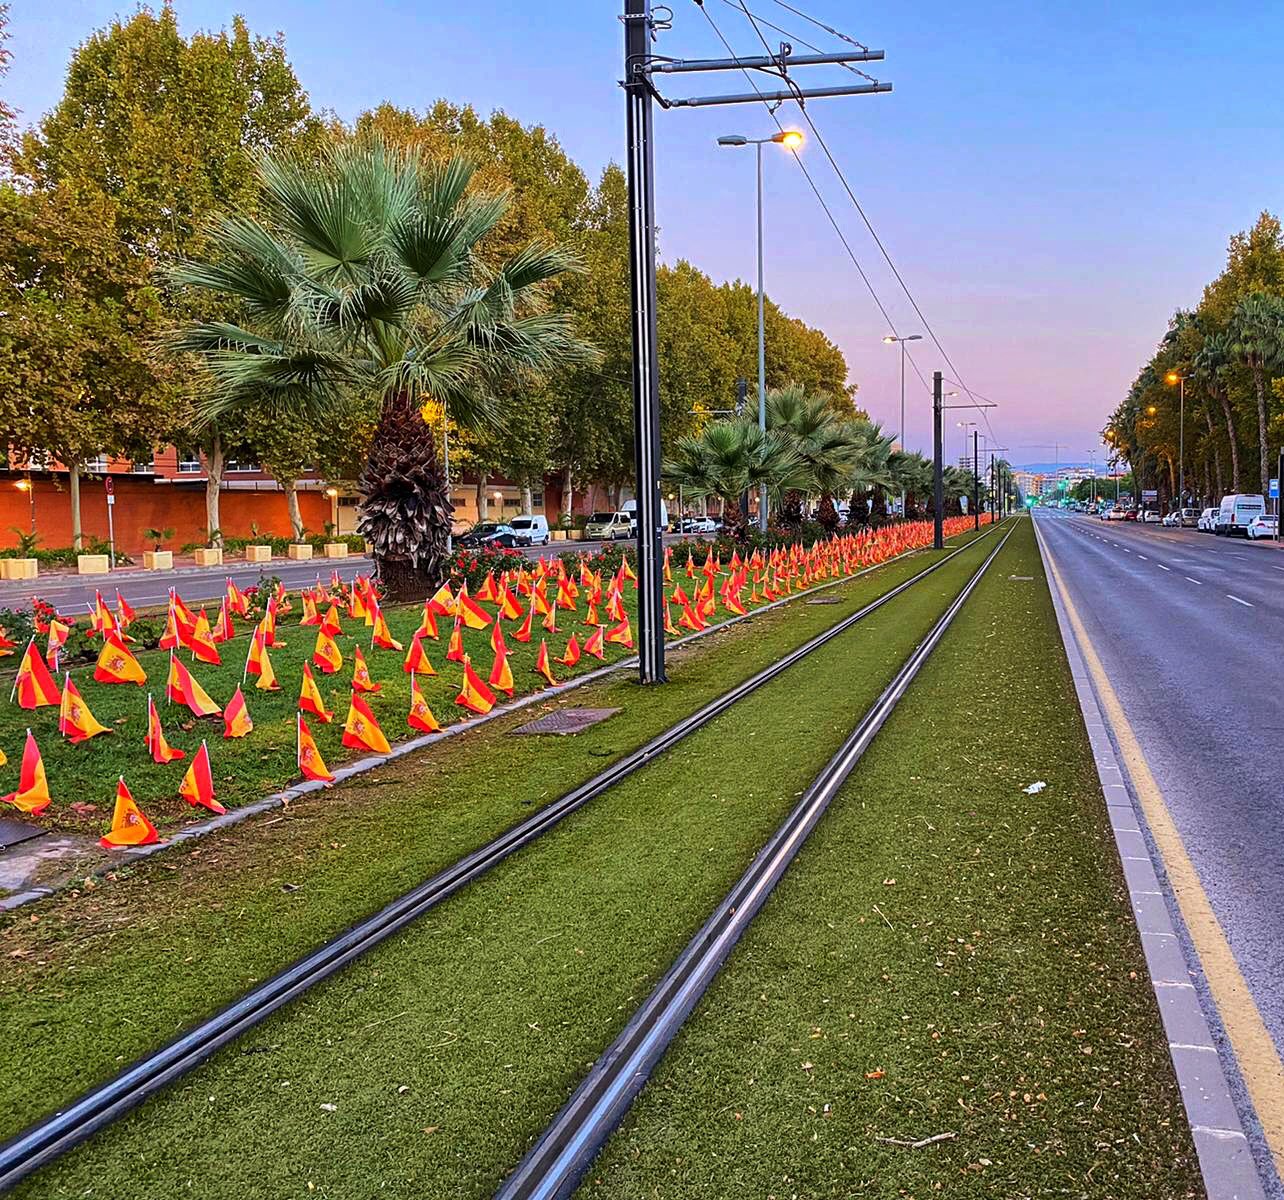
[
  {"x": 1225, "y": 1157},
  {"x": 361, "y": 766}
]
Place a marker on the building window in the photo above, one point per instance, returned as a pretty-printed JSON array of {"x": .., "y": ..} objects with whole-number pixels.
[
  {"x": 189, "y": 466},
  {"x": 235, "y": 465},
  {"x": 96, "y": 465},
  {"x": 147, "y": 467}
]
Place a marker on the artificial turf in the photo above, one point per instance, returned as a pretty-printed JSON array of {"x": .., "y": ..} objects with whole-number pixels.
[
  {"x": 427, "y": 1066},
  {"x": 947, "y": 956}
]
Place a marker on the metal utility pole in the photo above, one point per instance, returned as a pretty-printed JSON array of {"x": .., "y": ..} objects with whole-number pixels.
[
  {"x": 640, "y": 70},
  {"x": 976, "y": 481},
  {"x": 938, "y": 473},
  {"x": 891, "y": 339}
]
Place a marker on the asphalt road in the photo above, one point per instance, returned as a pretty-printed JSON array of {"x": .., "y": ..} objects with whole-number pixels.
[
  {"x": 72, "y": 593},
  {"x": 1190, "y": 628}
]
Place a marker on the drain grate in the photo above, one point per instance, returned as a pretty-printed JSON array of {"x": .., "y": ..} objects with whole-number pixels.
[
  {"x": 567, "y": 720},
  {"x": 823, "y": 600},
  {"x": 14, "y": 833}
]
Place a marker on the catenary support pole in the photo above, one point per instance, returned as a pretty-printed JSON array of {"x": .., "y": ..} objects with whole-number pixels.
[
  {"x": 976, "y": 481},
  {"x": 646, "y": 385},
  {"x": 762, "y": 349},
  {"x": 938, "y": 474}
]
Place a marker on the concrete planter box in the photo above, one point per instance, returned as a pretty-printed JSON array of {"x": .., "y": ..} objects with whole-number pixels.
[
  {"x": 258, "y": 553},
  {"x": 209, "y": 556},
  {"x": 92, "y": 564},
  {"x": 557, "y": 535},
  {"x": 336, "y": 549},
  {"x": 299, "y": 551},
  {"x": 576, "y": 535},
  {"x": 158, "y": 560},
  {"x": 18, "y": 568}
]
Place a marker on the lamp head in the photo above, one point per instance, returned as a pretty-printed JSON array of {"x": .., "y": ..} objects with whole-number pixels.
[
  {"x": 733, "y": 139},
  {"x": 791, "y": 139},
  {"x": 1172, "y": 377}
]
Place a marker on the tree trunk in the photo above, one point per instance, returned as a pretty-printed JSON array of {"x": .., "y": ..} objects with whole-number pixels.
[
  {"x": 73, "y": 487},
  {"x": 568, "y": 493},
  {"x": 291, "y": 489},
  {"x": 483, "y": 501},
  {"x": 1217, "y": 455},
  {"x": 826, "y": 513},
  {"x": 791, "y": 507},
  {"x": 1259, "y": 382},
  {"x": 214, "y": 480},
  {"x": 1224, "y": 396},
  {"x": 528, "y": 500},
  {"x": 734, "y": 521}
]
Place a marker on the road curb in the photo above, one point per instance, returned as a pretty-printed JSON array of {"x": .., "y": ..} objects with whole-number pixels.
[{"x": 1225, "y": 1156}]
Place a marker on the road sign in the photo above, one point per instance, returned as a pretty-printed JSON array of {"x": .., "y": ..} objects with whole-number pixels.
[
  {"x": 110, "y": 485},
  {"x": 1275, "y": 489},
  {"x": 1149, "y": 494}
]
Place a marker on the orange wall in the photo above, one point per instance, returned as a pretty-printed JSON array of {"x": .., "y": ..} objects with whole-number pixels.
[{"x": 141, "y": 504}]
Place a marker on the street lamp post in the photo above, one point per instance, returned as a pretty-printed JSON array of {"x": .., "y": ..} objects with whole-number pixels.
[
  {"x": 1180, "y": 381},
  {"x": 791, "y": 139},
  {"x": 891, "y": 339},
  {"x": 26, "y": 485}
]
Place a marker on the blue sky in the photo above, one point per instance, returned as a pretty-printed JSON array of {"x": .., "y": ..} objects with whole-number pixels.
[{"x": 1051, "y": 179}]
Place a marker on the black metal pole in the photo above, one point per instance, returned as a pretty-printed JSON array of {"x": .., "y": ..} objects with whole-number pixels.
[
  {"x": 938, "y": 475},
  {"x": 646, "y": 383},
  {"x": 976, "y": 482}
]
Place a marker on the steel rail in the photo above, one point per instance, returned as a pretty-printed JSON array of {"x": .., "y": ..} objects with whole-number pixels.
[
  {"x": 554, "y": 1166},
  {"x": 97, "y": 1107}
]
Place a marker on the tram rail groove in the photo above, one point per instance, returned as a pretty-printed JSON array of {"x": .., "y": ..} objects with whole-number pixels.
[
  {"x": 554, "y": 1167},
  {"x": 46, "y": 1140}
]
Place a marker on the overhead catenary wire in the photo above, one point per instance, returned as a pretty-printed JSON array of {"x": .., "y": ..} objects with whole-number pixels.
[{"x": 802, "y": 41}]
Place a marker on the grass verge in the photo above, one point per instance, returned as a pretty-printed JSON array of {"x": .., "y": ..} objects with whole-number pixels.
[
  {"x": 436, "y": 1058},
  {"x": 97, "y": 975},
  {"x": 948, "y": 955}
]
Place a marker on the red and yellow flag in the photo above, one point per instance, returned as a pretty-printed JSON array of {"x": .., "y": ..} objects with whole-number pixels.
[
  {"x": 181, "y": 688},
  {"x": 125, "y": 615},
  {"x": 469, "y": 611},
  {"x": 523, "y": 632},
  {"x": 474, "y": 695},
  {"x": 621, "y": 634},
  {"x": 310, "y": 698},
  {"x": 311, "y": 764},
  {"x": 509, "y": 609},
  {"x": 542, "y": 664},
  {"x": 75, "y": 722},
  {"x": 382, "y": 635},
  {"x": 327, "y": 654},
  {"x": 361, "y": 731},
  {"x": 417, "y": 657},
  {"x": 420, "y": 717},
  {"x": 330, "y": 623},
  {"x": 59, "y": 632},
  {"x": 236, "y": 717},
  {"x": 224, "y": 630},
  {"x": 361, "y": 681},
  {"x": 593, "y": 644},
  {"x": 160, "y": 750},
  {"x": 184, "y": 618},
  {"x": 428, "y": 625},
  {"x": 34, "y": 685},
  {"x": 455, "y": 647},
  {"x": 197, "y": 787},
  {"x": 32, "y": 795},
  {"x": 170, "y": 639},
  {"x": 202, "y": 641},
  {"x": 128, "y": 825},
  {"x": 116, "y": 664},
  {"x": 442, "y": 603},
  {"x": 571, "y": 655},
  {"x": 501, "y": 674},
  {"x": 236, "y": 599}
]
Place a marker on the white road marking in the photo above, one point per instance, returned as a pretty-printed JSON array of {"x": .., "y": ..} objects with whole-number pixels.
[
  {"x": 1162, "y": 567},
  {"x": 1237, "y": 600},
  {"x": 1142, "y": 557},
  {"x": 1200, "y": 582}
]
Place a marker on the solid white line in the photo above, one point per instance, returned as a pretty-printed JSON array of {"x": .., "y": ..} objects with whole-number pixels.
[
  {"x": 1195, "y": 581},
  {"x": 1143, "y": 557},
  {"x": 1237, "y": 600},
  {"x": 1162, "y": 567}
]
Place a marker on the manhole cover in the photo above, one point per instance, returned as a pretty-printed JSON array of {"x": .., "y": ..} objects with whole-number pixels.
[
  {"x": 824, "y": 600},
  {"x": 14, "y": 832},
  {"x": 567, "y": 720}
]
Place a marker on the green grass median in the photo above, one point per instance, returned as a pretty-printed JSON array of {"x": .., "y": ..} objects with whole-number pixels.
[
  {"x": 948, "y": 958},
  {"x": 435, "y": 1059}
]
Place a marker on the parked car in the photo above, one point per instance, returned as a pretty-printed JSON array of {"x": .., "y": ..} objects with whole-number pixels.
[
  {"x": 530, "y": 530},
  {"x": 1264, "y": 526},
  {"x": 1236, "y": 511},
  {"x": 1150, "y": 517},
  {"x": 608, "y": 526},
  {"x": 1188, "y": 518},
  {"x": 489, "y": 533},
  {"x": 1172, "y": 520},
  {"x": 699, "y": 525},
  {"x": 631, "y": 507},
  {"x": 1207, "y": 520},
  {"x": 1130, "y": 514}
]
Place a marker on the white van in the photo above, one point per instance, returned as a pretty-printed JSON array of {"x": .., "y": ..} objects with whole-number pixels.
[
  {"x": 631, "y": 507},
  {"x": 530, "y": 531},
  {"x": 1237, "y": 511}
]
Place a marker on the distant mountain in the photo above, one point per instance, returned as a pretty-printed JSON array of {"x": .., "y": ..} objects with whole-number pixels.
[{"x": 1047, "y": 468}]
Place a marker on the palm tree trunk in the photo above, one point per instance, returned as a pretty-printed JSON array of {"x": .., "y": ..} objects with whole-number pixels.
[
  {"x": 826, "y": 513},
  {"x": 73, "y": 487},
  {"x": 213, "y": 481},
  {"x": 568, "y": 495},
  {"x": 291, "y": 489},
  {"x": 1259, "y": 382},
  {"x": 734, "y": 522},
  {"x": 1217, "y": 453},
  {"x": 1224, "y": 396}
]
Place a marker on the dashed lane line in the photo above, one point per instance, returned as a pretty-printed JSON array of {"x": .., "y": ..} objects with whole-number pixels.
[
  {"x": 1237, "y": 600},
  {"x": 1162, "y": 567},
  {"x": 1198, "y": 581}
]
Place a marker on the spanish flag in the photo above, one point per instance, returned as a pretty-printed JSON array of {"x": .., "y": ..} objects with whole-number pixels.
[
  {"x": 197, "y": 787},
  {"x": 116, "y": 664},
  {"x": 593, "y": 644},
  {"x": 488, "y": 591},
  {"x": 420, "y": 717},
  {"x": 236, "y": 599},
  {"x": 236, "y": 717},
  {"x": 523, "y": 632},
  {"x": 128, "y": 825},
  {"x": 311, "y": 764},
  {"x": 427, "y": 626},
  {"x": 417, "y": 658},
  {"x": 382, "y": 635},
  {"x": 310, "y": 698},
  {"x": 125, "y": 615},
  {"x": 327, "y": 654},
  {"x": 543, "y": 666},
  {"x": 224, "y": 630},
  {"x": 183, "y": 616},
  {"x": 474, "y": 695},
  {"x": 361, "y": 731},
  {"x": 572, "y": 653},
  {"x": 202, "y": 641},
  {"x": 621, "y": 634},
  {"x": 361, "y": 681},
  {"x": 75, "y": 722},
  {"x": 669, "y": 627},
  {"x": 550, "y": 620},
  {"x": 170, "y": 639},
  {"x": 501, "y": 674},
  {"x": 310, "y": 615},
  {"x": 34, "y": 685},
  {"x": 59, "y": 632},
  {"x": 100, "y": 618},
  {"x": 455, "y": 648},
  {"x": 160, "y": 750},
  {"x": 330, "y": 623},
  {"x": 357, "y": 610},
  {"x": 472, "y": 613},
  {"x": 182, "y": 688},
  {"x": 32, "y": 795},
  {"x": 509, "y": 609},
  {"x": 442, "y": 603}
]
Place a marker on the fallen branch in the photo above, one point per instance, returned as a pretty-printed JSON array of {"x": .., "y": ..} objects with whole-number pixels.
[{"x": 948, "y": 1136}]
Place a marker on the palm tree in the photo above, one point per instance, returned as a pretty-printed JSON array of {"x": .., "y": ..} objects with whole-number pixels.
[
  {"x": 1211, "y": 363},
  {"x": 361, "y": 280},
  {"x": 1257, "y": 341},
  {"x": 815, "y": 431},
  {"x": 911, "y": 474},
  {"x": 871, "y": 469},
  {"x": 727, "y": 459}
]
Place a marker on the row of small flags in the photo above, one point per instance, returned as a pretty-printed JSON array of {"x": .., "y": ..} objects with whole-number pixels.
[{"x": 548, "y": 587}]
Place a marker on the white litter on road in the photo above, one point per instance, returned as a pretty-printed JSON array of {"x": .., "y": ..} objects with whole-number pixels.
[{"x": 1035, "y": 788}]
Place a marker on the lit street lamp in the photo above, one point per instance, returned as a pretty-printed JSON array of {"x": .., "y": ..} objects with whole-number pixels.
[
  {"x": 890, "y": 339},
  {"x": 333, "y": 493},
  {"x": 25, "y": 485},
  {"x": 791, "y": 139},
  {"x": 1180, "y": 380}
]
